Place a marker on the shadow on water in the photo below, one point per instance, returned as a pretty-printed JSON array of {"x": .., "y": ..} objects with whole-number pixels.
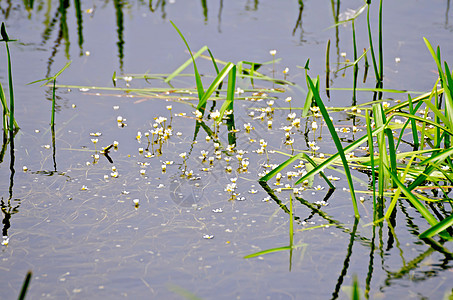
[
  {"x": 410, "y": 268},
  {"x": 10, "y": 206}
]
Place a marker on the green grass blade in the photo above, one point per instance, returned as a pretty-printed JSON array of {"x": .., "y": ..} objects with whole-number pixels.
[
  {"x": 5, "y": 108},
  {"x": 268, "y": 251},
  {"x": 185, "y": 64},
  {"x": 337, "y": 142},
  {"x": 291, "y": 221},
  {"x": 417, "y": 204},
  {"x": 439, "y": 157},
  {"x": 445, "y": 84},
  {"x": 331, "y": 186},
  {"x": 371, "y": 150},
  {"x": 355, "y": 289},
  {"x": 23, "y": 291},
  {"x": 413, "y": 124},
  {"x": 197, "y": 75},
  {"x": 398, "y": 191},
  {"x": 383, "y": 161},
  {"x": 228, "y": 104},
  {"x": 438, "y": 228},
  {"x": 370, "y": 40},
  {"x": 308, "y": 101},
  {"x": 424, "y": 120},
  {"x": 214, "y": 86},
  {"x": 283, "y": 165},
  {"x": 336, "y": 156},
  {"x": 12, "y": 120},
  {"x": 392, "y": 150}
]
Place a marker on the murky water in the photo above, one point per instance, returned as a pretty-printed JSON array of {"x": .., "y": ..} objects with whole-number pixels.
[{"x": 73, "y": 220}]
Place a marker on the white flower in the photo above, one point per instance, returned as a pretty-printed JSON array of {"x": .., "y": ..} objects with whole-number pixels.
[
  {"x": 296, "y": 122},
  {"x": 215, "y": 114},
  {"x": 230, "y": 187},
  {"x": 273, "y": 52},
  {"x": 183, "y": 155},
  {"x": 291, "y": 116},
  {"x": 160, "y": 120},
  {"x": 198, "y": 114}
]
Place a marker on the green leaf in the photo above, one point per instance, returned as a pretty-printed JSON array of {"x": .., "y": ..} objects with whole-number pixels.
[
  {"x": 214, "y": 85},
  {"x": 438, "y": 228},
  {"x": 337, "y": 142},
  {"x": 283, "y": 165}
]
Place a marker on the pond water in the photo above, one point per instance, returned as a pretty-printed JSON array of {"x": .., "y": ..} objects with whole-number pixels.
[{"x": 89, "y": 227}]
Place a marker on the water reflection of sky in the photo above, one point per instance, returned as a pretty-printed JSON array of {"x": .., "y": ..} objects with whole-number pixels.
[{"x": 93, "y": 243}]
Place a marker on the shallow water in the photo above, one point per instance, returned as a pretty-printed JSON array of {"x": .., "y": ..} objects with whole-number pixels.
[{"x": 80, "y": 233}]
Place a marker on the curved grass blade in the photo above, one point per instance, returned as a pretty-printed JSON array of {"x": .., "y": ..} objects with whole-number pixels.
[
  {"x": 337, "y": 142},
  {"x": 197, "y": 75},
  {"x": 438, "y": 228}
]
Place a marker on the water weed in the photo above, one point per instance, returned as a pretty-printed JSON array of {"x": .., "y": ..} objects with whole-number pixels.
[{"x": 12, "y": 126}]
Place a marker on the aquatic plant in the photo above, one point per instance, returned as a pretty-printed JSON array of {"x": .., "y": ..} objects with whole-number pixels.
[
  {"x": 25, "y": 285},
  {"x": 53, "y": 79},
  {"x": 8, "y": 112}
]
